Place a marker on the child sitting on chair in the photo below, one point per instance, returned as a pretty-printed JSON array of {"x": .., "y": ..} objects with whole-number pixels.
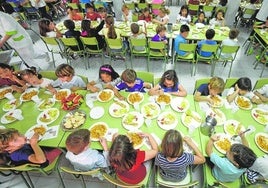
[
  {"x": 262, "y": 93},
  {"x": 169, "y": 83},
  {"x": 210, "y": 33},
  {"x": 137, "y": 34},
  {"x": 79, "y": 153}
]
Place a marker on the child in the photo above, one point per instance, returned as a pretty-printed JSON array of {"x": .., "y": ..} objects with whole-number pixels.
[
  {"x": 73, "y": 15},
  {"x": 181, "y": 38},
  {"x": 218, "y": 20},
  {"x": 79, "y": 153},
  {"x": 172, "y": 160},
  {"x": 145, "y": 15},
  {"x": 201, "y": 18},
  {"x": 110, "y": 31},
  {"x": 91, "y": 14},
  {"x": 130, "y": 83},
  {"x": 162, "y": 17},
  {"x": 160, "y": 34},
  {"x": 102, "y": 12},
  {"x": 210, "y": 33},
  {"x": 262, "y": 93},
  {"x": 48, "y": 29},
  {"x": 9, "y": 78},
  {"x": 169, "y": 83},
  {"x": 127, "y": 162},
  {"x": 72, "y": 33},
  {"x": 183, "y": 16},
  {"x": 214, "y": 87},
  {"x": 242, "y": 87},
  {"x": 135, "y": 29},
  {"x": 238, "y": 158},
  {"x": 31, "y": 77},
  {"x": 66, "y": 79},
  {"x": 108, "y": 78},
  {"x": 126, "y": 14},
  {"x": 231, "y": 41}
]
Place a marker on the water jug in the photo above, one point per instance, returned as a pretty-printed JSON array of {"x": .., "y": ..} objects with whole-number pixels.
[{"x": 207, "y": 128}]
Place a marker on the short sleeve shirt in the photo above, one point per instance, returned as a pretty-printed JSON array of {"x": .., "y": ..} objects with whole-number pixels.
[
  {"x": 76, "y": 81},
  {"x": 203, "y": 89},
  {"x": 249, "y": 94},
  {"x": 179, "y": 39},
  {"x": 137, "y": 87},
  {"x": 263, "y": 90},
  {"x": 169, "y": 89}
]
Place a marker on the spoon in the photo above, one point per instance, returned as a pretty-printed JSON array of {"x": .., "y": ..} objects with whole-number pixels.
[{"x": 234, "y": 136}]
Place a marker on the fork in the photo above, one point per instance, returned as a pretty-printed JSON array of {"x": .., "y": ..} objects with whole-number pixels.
[{"x": 236, "y": 135}]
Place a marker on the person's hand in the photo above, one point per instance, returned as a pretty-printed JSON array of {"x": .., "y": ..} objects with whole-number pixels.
[
  {"x": 34, "y": 139},
  {"x": 143, "y": 134},
  {"x": 121, "y": 98},
  {"x": 114, "y": 136},
  {"x": 103, "y": 142},
  {"x": 237, "y": 88},
  {"x": 214, "y": 138},
  {"x": 92, "y": 88},
  {"x": 187, "y": 139},
  {"x": 17, "y": 89}
]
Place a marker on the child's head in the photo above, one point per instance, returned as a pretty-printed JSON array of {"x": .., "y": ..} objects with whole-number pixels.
[
  {"x": 241, "y": 156},
  {"x": 135, "y": 28},
  {"x": 102, "y": 12},
  {"x": 85, "y": 25},
  {"x": 161, "y": 30},
  {"x": 90, "y": 7},
  {"x": 122, "y": 155},
  {"x": 201, "y": 16},
  {"x": 45, "y": 25},
  {"x": 184, "y": 30},
  {"x": 107, "y": 73},
  {"x": 210, "y": 33},
  {"x": 111, "y": 30},
  {"x": 244, "y": 85},
  {"x": 129, "y": 76},
  {"x": 6, "y": 70},
  {"x": 184, "y": 11},
  {"x": 30, "y": 76},
  {"x": 78, "y": 141},
  {"x": 163, "y": 11},
  {"x": 215, "y": 86},
  {"x": 171, "y": 145},
  {"x": 125, "y": 9},
  {"x": 169, "y": 79},
  {"x": 219, "y": 14},
  {"x": 70, "y": 10},
  {"x": 11, "y": 140},
  {"x": 64, "y": 72},
  {"x": 223, "y": 2},
  {"x": 233, "y": 33},
  {"x": 69, "y": 24},
  {"x": 146, "y": 12}
]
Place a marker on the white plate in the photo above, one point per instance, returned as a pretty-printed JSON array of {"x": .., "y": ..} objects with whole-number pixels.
[
  {"x": 96, "y": 112},
  {"x": 167, "y": 120},
  {"x": 217, "y": 114},
  {"x": 135, "y": 97},
  {"x": 223, "y": 137},
  {"x": 48, "y": 116},
  {"x": 119, "y": 109},
  {"x": 199, "y": 25},
  {"x": 30, "y": 132},
  {"x": 62, "y": 93},
  {"x": 28, "y": 94},
  {"x": 164, "y": 99},
  {"x": 9, "y": 117},
  {"x": 46, "y": 104},
  {"x": 105, "y": 95},
  {"x": 191, "y": 119},
  {"x": 4, "y": 91},
  {"x": 246, "y": 100},
  {"x": 11, "y": 105},
  {"x": 73, "y": 120},
  {"x": 231, "y": 127},
  {"x": 150, "y": 110},
  {"x": 176, "y": 32},
  {"x": 132, "y": 121},
  {"x": 218, "y": 101},
  {"x": 133, "y": 134},
  {"x": 260, "y": 115},
  {"x": 180, "y": 104},
  {"x": 95, "y": 133},
  {"x": 265, "y": 141}
]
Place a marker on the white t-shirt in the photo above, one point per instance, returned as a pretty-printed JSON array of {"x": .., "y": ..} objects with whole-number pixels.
[
  {"x": 183, "y": 20},
  {"x": 166, "y": 17},
  {"x": 76, "y": 81},
  {"x": 51, "y": 34},
  {"x": 263, "y": 90},
  {"x": 249, "y": 94},
  {"x": 45, "y": 83},
  {"x": 229, "y": 42}
]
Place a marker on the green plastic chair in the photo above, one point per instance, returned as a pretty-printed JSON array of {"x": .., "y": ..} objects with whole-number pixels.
[
  {"x": 208, "y": 8},
  {"x": 135, "y": 17},
  {"x": 230, "y": 82},
  {"x": 92, "y": 41},
  {"x": 227, "y": 54},
  {"x": 131, "y": 6},
  {"x": 136, "y": 44},
  {"x": 260, "y": 83},
  {"x": 146, "y": 76},
  {"x": 116, "y": 47},
  {"x": 193, "y": 8},
  {"x": 73, "y": 5},
  {"x": 190, "y": 50},
  {"x": 142, "y": 6},
  {"x": 48, "y": 74},
  {"x": 199, "y": 82},
  {"x": 84, "y": 78},
  {"x": 157, "y": 50},
  {"x": 259, "y": 58},
  {"x": 250, "y": 13}
]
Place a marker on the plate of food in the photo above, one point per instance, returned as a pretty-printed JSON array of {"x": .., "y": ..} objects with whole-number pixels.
[
  {"x": 73, "y": 120},
  {"x": 4, "y": 91},
  {"x": 135, "y": 98},
  {"x": 105, "y": 95},
  {"x": 150, "y": 110},
  {"x": 11, "y": 105},
  {"x": 260, "y": 115},
  {"x": 243, "y": 102},
  {"x": 46, "y": 104},
  {"x": 28, "y": 94},
  {"x": 61, "y": 94},
  {"x": 136, "y": 139},
  {"x": 233, "y": 127},
  {"x": 261, "y": 140},
  {"x": 180, "y": 104},
  {"x": 11, "y": 116},
  {"x": 191, "y": 118},
  {"x": 48, "y": 116},
  {"x": 132, "y": 121},
  {"x": 217, "y": 101},
  {"x": 167, "y": 120},
  {"x": 98, "y": 130},
  {"x": 217, "y": 114},
  {"x": 224, "y": 143},
  {"x": 164, "y": 99},
  {"x": 119, "y": 108},
  {"x": 38, "y": 128}
]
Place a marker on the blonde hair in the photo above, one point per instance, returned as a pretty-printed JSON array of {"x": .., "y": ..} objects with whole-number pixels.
[
  {"x": 160, "y": 28},
  {"x": 124, "y": 7},
  {"x": 6, "y": 136},
  {"x": 129, "y": 76},
  {"x": 64, "y": 70},
  {"x": 165, "y": 10},
  {"x": 216, "y": 83}
]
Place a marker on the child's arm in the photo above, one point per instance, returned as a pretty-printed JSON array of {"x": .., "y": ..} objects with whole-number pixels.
[
  {"x": 91, "y": 87},
  {"x": 156, "y": 90},
  {"x": 262, "y": 98},
  {"x": 209, "y": 147},
  {"x": 38, "y": 156},
  {"x": 181, "y": 91},
  {"x": 243, "y": 139},
  {"x": 149, "y": 154},
  {"x": 51, "y": 89},
  {"x": 198, "y": 157},
  {"x": 199, "y": 98},
  {"x": 231, "y": 97},
  {"x": 117, "y": 94},
  {"x": 147, "y": 85}
]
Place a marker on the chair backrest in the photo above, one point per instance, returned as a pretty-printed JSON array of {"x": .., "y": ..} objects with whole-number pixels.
[
  {"x": 201, "y": 81},
  {"x": 230, "y": 82},
  {"x": 229, "y": 49},
  {"x": 74, "y": 6},
  {"x": 193, "y": 7},
  {"x": 142, "y": 5},
  {"x": 208, "y": 8},
  {"x": 187, "y": 47},
  {"x": 50, "y": 40},
  {"x": 84, "y": 78},
  {"x": 92, "y": 41},
  {"x": 137, "y": 43},
  {"x": 157, "y": 45},
  {"x": 146, "y": 76},
  {"x": 209, "y": 48},
  {"x": 260, "y": 83},
  {"x": 119, "y": 183},
  {"x": 69, "y": 43},
  {"x": 114, "y": 43},
  {"x": 131, "y": 6},
  {"x": 249, "y": 11},
  {"x": 135, "y": 17},
  {"x": 72, "y": 171},
  {"x": 48, "y": 74},
  {"x": 156, "y": 6}
]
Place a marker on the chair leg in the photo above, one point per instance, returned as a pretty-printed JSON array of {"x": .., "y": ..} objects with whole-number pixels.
[
  {"x": 61, "y": 180},
  {"x": 83, "y": 180},
  {"x": 131, "y": 59},
  {"x": 213, "y": 66},
  {"x": 263, "y": 67},
  {"x": 230, "y": 69},
  {"x": 53, "y": 59},
  {"x": 25, "y": 181},
  {"x": 256, "y": 64}
]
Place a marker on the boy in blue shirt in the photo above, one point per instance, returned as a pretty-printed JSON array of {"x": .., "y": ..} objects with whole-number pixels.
[
  {"x": 181, "y": 38},
  {"x": 210, "y": 33}
]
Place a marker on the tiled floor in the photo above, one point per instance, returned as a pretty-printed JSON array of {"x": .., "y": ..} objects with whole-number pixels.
[{"x": 242, "y": 67}]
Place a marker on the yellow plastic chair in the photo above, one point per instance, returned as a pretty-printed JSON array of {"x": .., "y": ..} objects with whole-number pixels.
[
  {"x": 199, "y": 82},
  {"x": 116, "y": 48},
  {"x": 259, "y": 59},
  {"x": 230, "y": 82},
  {"x": 227, "y": 54},
  {"x": 136, "y": 44},
  {"x": 92, "y": 41},
  {"x": 190, "y": 50},
  {"x": 157, "y": 50},
  {"x": 260, "y": 83},
  {"x": 146, "y": 76},
  {"x": 48, "y": 74}
]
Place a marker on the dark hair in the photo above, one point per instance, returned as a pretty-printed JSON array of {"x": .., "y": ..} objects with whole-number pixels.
[
  {"x": 44, "y": 26},
  {"x": 172, "y": 144},
  {"x": 223, "y": 2},
  {"x": 243, "y": 155},
  {"x": 135, "y": 28},
  {"x": 30, "y": 71},
  {"x": 244, "y": 83},
  {"x": 69, "y": 24},
  {"x": 253, "y": 1},
  {"x": 85, "y": 26},
  {"x": 184, "y": 28},
  {"x": 129, "y": 76},
  {"x": 101, "y": 9},
  {"x": 111, "y": 30},
  {"x": 90, "y": 5},
  {"x": 6, "y": 135},
  {"x": 184, "y": 7},
  {"x": 145, "y": 10},
  {"x": 210, "y": 33},
  {"x": 108, "y": 69},
  {"x": 169, "y": 75},
  {"x": 201, "y": 12},
  {"x": 69, "y": 7},
  {"x": 6, "y": 66},
  {"x": 78, "y": 140},
  {"x": 233, "y": 33},
  {"x": 122, "y": 155},
  {"x": 220, "y": 10}
]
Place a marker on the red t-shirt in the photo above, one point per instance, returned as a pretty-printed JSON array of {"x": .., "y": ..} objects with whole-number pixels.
[
  {"x": 77, "y": 17},
  {"x": 93, "y": 16},
  {"x": 147, "y": 19},
  {"x": 138, "y": 171}
]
